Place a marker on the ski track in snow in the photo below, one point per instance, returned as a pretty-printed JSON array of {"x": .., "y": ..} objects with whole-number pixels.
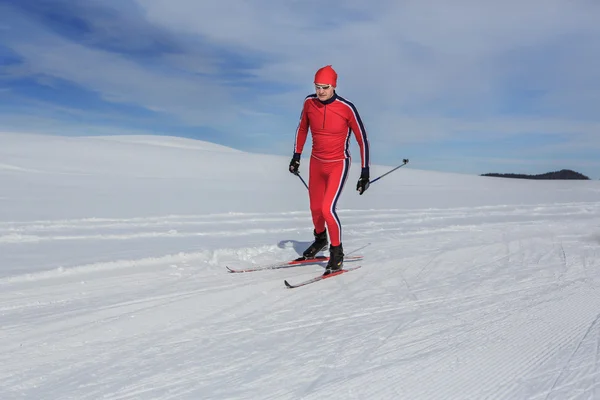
[
  {"x": 487, "y": 302},
  {"x": 201, "y": 225}
]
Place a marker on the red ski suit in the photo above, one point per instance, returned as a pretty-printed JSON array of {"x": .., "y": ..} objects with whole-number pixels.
[{"x": 330, "y": 123}]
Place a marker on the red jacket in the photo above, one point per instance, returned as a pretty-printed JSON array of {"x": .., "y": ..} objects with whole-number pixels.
[{"x": 330, "y": 123}]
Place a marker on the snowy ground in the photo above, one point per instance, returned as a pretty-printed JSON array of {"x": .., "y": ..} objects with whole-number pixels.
[{"x": 113, "y": 281}]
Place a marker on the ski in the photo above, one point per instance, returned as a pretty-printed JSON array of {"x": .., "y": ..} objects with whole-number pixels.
[
  {"x": 294, "y": 263},
  {"x": 320, "y": 277}
]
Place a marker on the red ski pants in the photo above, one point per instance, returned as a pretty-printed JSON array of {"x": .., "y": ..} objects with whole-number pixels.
[{"x": 325, "y": 184}]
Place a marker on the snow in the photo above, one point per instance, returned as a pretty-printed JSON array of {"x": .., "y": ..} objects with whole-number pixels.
[{"x": 113, "y": 282}]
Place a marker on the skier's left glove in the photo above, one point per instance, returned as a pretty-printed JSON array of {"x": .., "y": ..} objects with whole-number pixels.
[{"x": 363, "y": 182}]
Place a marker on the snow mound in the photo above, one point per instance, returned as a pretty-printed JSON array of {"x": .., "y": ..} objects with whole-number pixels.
[{"x": 169, "y": 141}]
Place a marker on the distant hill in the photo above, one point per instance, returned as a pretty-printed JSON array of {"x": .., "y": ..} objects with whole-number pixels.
[{"x": 564, "y": 174}]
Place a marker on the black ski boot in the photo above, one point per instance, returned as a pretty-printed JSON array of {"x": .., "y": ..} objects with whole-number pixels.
[
  {"x": 319, "y": 244},
  {"x": 336, "y": 259}
]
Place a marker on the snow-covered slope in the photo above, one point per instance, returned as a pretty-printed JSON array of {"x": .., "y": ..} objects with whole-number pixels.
[{"x": 113, "y": 282}]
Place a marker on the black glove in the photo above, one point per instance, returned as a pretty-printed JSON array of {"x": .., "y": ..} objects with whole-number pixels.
[
  {"x": 363, "y": 182},
  {"x": 295, "y": 164}
]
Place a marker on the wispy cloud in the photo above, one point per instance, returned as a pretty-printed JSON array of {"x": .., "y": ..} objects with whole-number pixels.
[{"x": 426, "y": 76}]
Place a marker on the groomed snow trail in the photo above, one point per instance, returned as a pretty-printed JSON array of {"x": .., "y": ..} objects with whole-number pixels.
[{"x": 497, "y": 302}]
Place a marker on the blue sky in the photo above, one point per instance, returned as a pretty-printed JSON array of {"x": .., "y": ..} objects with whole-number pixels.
[{"x": 460, "y": 86}]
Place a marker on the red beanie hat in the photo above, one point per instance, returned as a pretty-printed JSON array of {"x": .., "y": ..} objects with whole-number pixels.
[{"x": 326, "y": 75}]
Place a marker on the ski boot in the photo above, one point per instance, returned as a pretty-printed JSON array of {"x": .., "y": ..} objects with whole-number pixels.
[
  {"x": 319, "y": 244},
  {"x": 336, "y": 259}
]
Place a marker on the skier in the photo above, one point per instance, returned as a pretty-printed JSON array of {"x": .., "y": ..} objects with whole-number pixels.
[{"x": 331, "y": 119}]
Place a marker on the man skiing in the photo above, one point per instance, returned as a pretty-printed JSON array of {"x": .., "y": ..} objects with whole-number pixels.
[{"x": 331, "y": 119}]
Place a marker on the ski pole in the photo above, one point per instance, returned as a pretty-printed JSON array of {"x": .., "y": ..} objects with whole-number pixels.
[
  {"x": 298, "y": 175},
  {"x": 405, "y": 161}
]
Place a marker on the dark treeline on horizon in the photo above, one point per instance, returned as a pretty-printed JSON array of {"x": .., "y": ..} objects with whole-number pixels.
[{"x": 565, "y": 174}]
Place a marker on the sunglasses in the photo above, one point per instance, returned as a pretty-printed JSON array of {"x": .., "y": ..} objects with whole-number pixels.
[{"x": 323, "y": 87}]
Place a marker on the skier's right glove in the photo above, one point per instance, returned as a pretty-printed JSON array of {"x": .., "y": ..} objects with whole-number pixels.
[{"x": 295, "y": 164}]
